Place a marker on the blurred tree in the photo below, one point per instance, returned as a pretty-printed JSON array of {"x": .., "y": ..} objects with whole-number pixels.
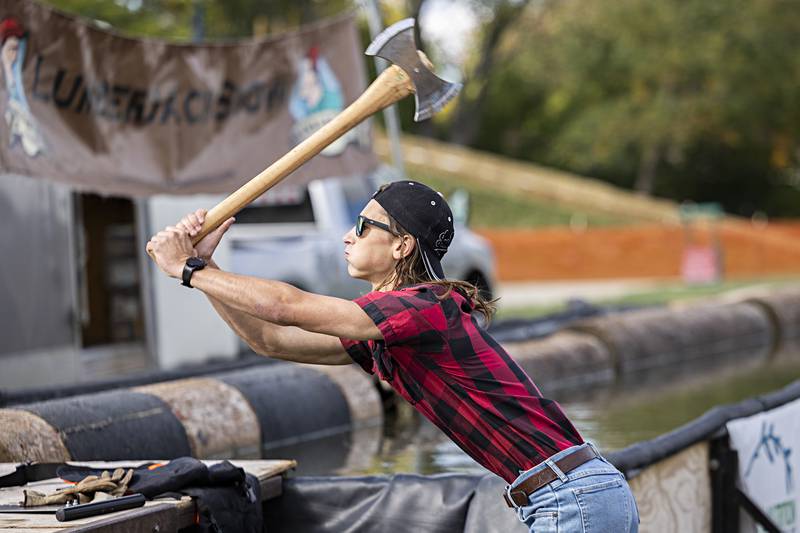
[
  {"x": 154, "y": 18},
  {"x": 414, "y": 9},
  {"x": 503, "y": 14},
  {"x": 684, "y": 98},
  {"x": 236, "y": 17},
  {"x": 497, "y": 16},
  {"x": 222, "y": 19}
]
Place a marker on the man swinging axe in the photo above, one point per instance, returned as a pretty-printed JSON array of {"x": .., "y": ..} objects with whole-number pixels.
[{"x": 416, "y": 329}]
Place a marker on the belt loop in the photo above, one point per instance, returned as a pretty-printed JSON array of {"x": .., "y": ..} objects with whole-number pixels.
[
  {"x": 561, "y": 475},
  {"x": 596, "y": 451}
]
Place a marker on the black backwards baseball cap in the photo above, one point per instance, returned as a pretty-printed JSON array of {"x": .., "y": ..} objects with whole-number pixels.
[{"x": 424, "y": 213}]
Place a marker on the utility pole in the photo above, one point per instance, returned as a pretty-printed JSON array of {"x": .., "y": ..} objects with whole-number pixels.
[
  {"x": 375, "y": 23},
  {"x": 199, "y": 21}
]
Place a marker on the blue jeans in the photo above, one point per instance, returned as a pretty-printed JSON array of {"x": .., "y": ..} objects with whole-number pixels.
[{"x": 593, "y": 497}]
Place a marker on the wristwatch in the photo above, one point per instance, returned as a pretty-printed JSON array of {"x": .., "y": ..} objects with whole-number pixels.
[{"x": 192, "y": 264}]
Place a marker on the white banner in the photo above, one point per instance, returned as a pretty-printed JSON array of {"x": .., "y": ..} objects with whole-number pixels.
[{"x": 769, "y": 461}]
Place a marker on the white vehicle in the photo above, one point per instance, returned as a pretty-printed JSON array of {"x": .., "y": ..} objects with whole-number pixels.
[{"x": 302, "y": 243}]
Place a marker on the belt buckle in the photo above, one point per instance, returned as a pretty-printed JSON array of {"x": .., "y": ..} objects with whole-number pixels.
[
  {"x": 515, "y": 498},
  {"x": 507, "y": 499}
]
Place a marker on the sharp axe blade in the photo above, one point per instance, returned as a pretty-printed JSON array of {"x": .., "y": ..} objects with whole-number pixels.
[{"x": 396, "y": 44}]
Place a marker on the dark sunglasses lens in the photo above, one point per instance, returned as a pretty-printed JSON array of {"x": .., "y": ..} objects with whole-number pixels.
[{"x": 359, "y": 226}]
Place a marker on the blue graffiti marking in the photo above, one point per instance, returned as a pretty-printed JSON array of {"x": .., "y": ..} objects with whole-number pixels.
[{"x": 773, "y": 449}]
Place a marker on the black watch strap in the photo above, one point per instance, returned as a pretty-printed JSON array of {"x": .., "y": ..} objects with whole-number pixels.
[{"x": 192, "y": 265}]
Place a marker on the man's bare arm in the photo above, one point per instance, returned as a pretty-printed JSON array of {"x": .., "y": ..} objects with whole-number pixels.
[
  {"x": 284, "y": 305},
  {"x": 271, "y": 301},
  {"x": 282, "y": 342}
]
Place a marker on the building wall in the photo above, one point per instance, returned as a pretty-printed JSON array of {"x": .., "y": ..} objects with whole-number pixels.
[
  {"x": 37, "y": 284},
  {"x": 187, "y": 329}
]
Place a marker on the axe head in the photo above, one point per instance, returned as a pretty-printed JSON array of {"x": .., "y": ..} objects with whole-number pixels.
[{"x": 396, "y": 44}]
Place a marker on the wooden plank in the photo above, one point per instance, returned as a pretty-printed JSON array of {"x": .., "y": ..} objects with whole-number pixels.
[
  {"x": 17, "y": 525},
  {"x": 271, "y": 488},
  {"x": 263, "y": 469},
  {"x": 161, "y": 518},
  {"x": 166, "y": 511},
  {"x": 186, "y": 513},
  {"x": 38, "y": 523}
]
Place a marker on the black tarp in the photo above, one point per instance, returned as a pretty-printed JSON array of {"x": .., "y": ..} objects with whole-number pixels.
[
  {"x": 115, "y": 425},
  {"x": 442, "y": 503}
]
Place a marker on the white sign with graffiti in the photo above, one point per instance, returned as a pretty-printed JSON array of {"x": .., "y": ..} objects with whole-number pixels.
[{"x": 769, "y": 461}]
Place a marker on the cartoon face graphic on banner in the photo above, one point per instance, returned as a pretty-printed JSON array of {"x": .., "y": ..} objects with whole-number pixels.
[
  {"x": 316, "y": 98},
  {"x": 22, "y": 128}
]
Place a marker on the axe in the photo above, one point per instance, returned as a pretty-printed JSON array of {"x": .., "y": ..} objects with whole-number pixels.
[{"x": 410, "y": 72}]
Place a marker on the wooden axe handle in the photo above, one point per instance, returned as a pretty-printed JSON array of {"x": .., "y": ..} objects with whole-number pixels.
[{"x": 392, "y": 85}]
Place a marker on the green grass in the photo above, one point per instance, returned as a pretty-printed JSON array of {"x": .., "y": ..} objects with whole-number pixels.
[
  {"x": 663, "y": 294},
  {"x": 533, "y": 311},
  {"x": 490, "y": 208}
]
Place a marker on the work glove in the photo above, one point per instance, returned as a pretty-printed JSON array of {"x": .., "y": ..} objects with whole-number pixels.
[{"x": 91, "y": 488}]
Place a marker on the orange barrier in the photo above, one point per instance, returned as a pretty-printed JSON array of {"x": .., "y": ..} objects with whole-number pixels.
[{"x": 653, "y": 251}]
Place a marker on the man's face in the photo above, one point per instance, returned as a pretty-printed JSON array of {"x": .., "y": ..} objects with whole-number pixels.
[
  {"x": 373, "y": 255},
  {"x": 9, "y": 52}
]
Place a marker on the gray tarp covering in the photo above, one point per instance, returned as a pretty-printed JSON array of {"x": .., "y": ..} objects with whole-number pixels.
[
  {"x": 36, "y": 305},
  {"x": 444, "y": 503}
]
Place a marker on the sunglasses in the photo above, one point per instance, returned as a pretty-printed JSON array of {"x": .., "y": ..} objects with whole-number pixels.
[{"x": 362, "y": 221}]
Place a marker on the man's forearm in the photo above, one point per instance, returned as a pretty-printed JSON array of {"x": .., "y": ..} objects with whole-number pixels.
[
  {"x": 246, "y": 326},
  {"x": 277, "y": 341},
  {"x": 259, "y": 299}
]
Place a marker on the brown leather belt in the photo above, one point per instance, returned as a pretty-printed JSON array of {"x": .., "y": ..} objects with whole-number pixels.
[{"x": 520, "y": 494}]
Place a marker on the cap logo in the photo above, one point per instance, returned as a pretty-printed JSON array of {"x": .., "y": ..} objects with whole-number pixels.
[{"x": 443, "y": 242}]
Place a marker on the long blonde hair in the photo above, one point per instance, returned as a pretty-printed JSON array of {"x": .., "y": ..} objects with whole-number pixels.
[{"x": 410, "y": 270}]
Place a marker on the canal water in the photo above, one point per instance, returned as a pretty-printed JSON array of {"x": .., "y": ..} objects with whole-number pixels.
[{"x": 611, "y": 417}]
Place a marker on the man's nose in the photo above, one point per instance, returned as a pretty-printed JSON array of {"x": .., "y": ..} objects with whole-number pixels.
[{"x": 349, "y": 237}]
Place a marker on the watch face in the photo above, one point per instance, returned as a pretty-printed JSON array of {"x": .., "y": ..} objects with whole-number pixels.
[{"x": 195, "y": 262}]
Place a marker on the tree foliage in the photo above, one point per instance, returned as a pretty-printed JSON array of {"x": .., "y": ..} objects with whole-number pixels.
[
  {"x": 687, "y": 99},
  {"x": 684, "y": 98},
  {"x": 146, "y": 18},
  {"x": 183, "y": 20}
]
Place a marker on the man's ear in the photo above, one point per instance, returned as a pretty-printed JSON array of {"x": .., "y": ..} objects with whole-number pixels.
[{"x": 405, "y": 247}]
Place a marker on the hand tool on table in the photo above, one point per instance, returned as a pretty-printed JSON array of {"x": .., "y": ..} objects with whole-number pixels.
[{"x": 112, "y": 505}]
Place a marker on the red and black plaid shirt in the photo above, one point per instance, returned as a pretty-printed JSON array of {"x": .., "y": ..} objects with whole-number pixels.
[{"x": 436, "y": 356}]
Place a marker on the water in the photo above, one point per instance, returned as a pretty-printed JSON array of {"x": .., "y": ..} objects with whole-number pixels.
[
  {"x": 612, "y": 417},
  {"x": 615, "y": 419}
]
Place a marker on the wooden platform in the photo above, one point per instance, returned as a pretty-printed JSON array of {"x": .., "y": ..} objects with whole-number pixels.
[{"x": 159, "y": 516}]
